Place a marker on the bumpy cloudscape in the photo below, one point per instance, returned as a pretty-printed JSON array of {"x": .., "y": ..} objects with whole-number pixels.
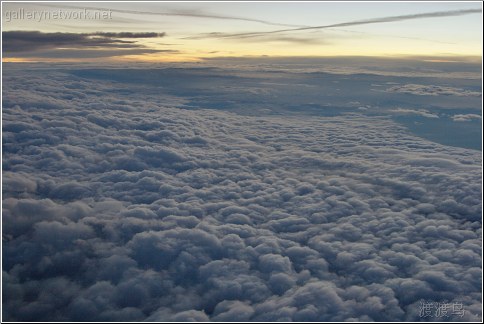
[{"x": 122, "y": 200}]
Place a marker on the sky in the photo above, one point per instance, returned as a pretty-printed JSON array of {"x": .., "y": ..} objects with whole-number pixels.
[
  {"x": 265, "y": 162},
  {"x": 160, "y": 32}
]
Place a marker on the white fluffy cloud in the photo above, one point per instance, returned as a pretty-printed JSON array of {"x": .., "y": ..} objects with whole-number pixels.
[
  {"x": 121, "y": 205},
  {"x": 419, "y": 112},
  {"x": 465, "y": 117},
  {"x": 433, "y": 90}
]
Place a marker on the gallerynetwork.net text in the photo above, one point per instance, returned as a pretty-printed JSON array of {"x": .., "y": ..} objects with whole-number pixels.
[{"x": 58, "y": 14}]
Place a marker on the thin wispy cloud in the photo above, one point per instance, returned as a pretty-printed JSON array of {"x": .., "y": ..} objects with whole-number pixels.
[
  {"x": 127, "y": 34},
  {"x": 193, "y": 14},
  {"x": 280, "y": 38},
  {"x": 438, "y": 14}
]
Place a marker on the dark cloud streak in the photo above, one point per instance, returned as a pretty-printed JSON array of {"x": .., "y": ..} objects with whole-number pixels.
[
  {"x": 31, "y": 41},
  {"x": 128, "y": 34}
]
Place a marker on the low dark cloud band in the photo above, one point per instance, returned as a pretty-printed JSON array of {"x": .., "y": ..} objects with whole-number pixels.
[{"x": 39, "y": 44}]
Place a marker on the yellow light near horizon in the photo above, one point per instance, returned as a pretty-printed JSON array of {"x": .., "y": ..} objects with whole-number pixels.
[
  {"x": 198, "y": 50},
  {"x": 155, "y": 58}
]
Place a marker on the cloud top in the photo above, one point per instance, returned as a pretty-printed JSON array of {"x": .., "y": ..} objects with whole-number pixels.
[{"x": 123, "y": 201}]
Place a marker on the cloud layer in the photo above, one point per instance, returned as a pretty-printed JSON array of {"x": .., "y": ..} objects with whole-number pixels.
[{"x": 123, "y": 202}]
